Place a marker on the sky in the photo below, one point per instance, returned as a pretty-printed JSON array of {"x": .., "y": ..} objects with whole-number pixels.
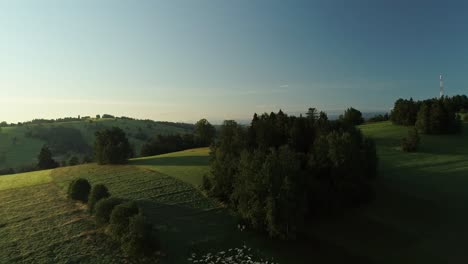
[{"x": 186, "y": 60}]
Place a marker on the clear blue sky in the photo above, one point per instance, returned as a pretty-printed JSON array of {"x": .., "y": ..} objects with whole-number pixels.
[{"x": 184, "y": 60}]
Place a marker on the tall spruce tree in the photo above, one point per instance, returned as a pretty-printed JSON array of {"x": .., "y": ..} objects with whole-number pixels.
[{"x": 45, "y": 159}]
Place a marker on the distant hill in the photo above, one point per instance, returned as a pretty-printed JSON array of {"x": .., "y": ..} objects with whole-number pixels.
[{"x": 20, "y": 144}]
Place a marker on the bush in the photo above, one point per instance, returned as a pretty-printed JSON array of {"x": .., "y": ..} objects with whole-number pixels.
[
  {"x": 139, "y": 239},
  {"x": 411, "y": 142},
  {"x": 79, "y": 190},
  {"x": 98, "y": 192},
  {"x": 465, "y": 118},
  {"x": 103, "y": 209},
  {"x": 120, "y": 217}
]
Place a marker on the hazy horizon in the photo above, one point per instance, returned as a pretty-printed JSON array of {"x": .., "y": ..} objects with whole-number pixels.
[{"x": 186, "y": 60}]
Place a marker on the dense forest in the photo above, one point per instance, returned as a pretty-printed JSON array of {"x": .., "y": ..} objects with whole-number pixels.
[
  {"x": 431, "y": 116},
  {"x": 282, "y": 169}
]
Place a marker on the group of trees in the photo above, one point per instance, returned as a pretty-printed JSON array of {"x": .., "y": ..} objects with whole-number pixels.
[
  {"x": 204, "y": 134},
  {"x": 379, "y": 118},
  {"x": 432, "y": 116},
  {"x": 352, "y": 117},
  {"x": 283, "y": 168},
  {"x": 435, "y": 117},
  {"x": 124, "y": 219},
  {"x": 170, "y": 143},
  {"x": 111, "y": 146}
]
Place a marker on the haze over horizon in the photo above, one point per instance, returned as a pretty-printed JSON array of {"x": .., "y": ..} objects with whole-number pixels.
[{"x": 186, "y": 60}]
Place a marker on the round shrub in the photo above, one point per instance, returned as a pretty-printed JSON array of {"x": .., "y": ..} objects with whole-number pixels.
[
  {"x": 98, "y": 192},
  {"x": 119, "y": 219},
  {"x": 411, "y": 142},
  {"x": 79, "y": 190},
  {"x": 139, "y": 239},
  {"x": 103, "y": 209}
]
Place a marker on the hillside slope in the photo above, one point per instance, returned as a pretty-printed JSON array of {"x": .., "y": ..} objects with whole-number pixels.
[
  {"x": 419, "y": 215},
  {"x": 18, "y": 148},
  {"x": 421, "y": 211}
]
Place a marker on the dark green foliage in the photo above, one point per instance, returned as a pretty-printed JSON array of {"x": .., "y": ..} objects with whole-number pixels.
[
  {"x": 379, "y": 118},
  {"x": 204, "y": 133},
  {"x": 140, "y": 135},
  {"x": 79, "y": 190},
  {"x": 433, "y": 116},
  {"x": 107, "y": 116},
  {"x": 411, "y": 142},
  {"x": 352, "y": 117},
  {"x": 343, "y": 163},
  {"x": 7, "y": 171},
  {"x": 225, "y": 156},
  {"x": 73, "y": 161},
  {"x": 103, "y": 209},
  {"x": 86, "y": 159},
  {"x": 111, "y": 146},
  {"x": 139, "y": 240},
  {"x": 270, "y": 192},
  {"x": 98, "y": 192},
  {"x": 465, "y": 117},
  {"x": 166, "y": 144},
  {"x": 404, "y": 112},
  {"x": 45, "y": 159},
  {"x": 60, "y": 139},
  {"x": 369, "y": 158},
  {"x": 120, "y": 217},
  {"x": 281, "y": 167},
  {"x": 206, "y": 183},
  {"x": 423, "y": 122}
]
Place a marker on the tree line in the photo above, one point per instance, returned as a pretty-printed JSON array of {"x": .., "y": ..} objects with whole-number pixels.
[
  {"x": 431, "y": 116},
  {"x": 203, "y": 135},
  {"x": 282, "y": 169}
]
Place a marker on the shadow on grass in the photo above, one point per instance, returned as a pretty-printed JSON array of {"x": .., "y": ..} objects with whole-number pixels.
[
  {"x": 173, "y": 161},
  {"x": 184, "y": 230}
]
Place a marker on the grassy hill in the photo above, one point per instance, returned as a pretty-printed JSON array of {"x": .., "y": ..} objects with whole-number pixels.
[
  {"x": 420, "y": 213},
  {"x": 17, "y": 149},
  {"x": 419, "y": 216}
]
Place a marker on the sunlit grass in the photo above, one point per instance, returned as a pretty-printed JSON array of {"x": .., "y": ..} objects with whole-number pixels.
[{"x": 24, "y": 179}]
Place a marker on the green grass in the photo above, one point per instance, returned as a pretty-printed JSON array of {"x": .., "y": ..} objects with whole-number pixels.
[
  {"x": 19, "y": 152},
  {"x": 40, "y": 223},
  {"x": 24, "y": 179},
  {"x": 24, "y": 150},
  {"x": 188, "y": 166},
  {"x": 419, "y": 215}
]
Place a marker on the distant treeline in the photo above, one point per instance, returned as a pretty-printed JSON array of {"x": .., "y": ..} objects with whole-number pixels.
[
  {"x": 202, "y": 136},
  {"x": 431, "y": 116},
  {"x": 379, "y": 118},
  {"x": 281, "y": 169},
  {"x": 168, "y": 143},
  {"x": 83, "y": 118}
]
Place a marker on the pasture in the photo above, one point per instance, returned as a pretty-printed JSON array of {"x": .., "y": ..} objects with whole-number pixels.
[
  {"x": 419, "y": 215},
  {"x": 18, "y": 150}
]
